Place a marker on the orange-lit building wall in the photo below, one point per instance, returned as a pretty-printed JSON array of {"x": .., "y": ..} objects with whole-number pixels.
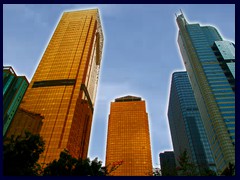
[
  {"x": 24, "y": 121},
  {"x": 128, "y": 139},
  {"x": 63, "y": 88}
]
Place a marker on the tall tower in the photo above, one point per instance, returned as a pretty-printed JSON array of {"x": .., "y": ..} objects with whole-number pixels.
[
  {"x": 64, "y": 86},
  {"x": 128, "y": 138},
  {"x": 210, "y": 63},
  {"x": 187, "y": 129}
]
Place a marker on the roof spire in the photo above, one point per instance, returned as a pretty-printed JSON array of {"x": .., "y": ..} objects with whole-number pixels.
[
  {"x": 181, "y": 16},
  {"x": 181, "y": 11}
]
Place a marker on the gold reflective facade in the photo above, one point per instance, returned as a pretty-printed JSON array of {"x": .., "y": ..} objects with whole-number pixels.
[
  {"x": 128, "y": 138},
  {"x": 24, "y": 121},
  {"x": 63, "y": 88}
]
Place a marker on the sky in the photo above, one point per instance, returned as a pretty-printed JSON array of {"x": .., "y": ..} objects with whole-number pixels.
[{"x": 139, "y": 56}]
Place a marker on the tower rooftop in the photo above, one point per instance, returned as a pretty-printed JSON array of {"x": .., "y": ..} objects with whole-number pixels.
[{"x": 128, "y": 98}]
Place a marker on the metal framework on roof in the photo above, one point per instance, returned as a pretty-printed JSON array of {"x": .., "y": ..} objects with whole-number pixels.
[{"x": 128, "y": 98}]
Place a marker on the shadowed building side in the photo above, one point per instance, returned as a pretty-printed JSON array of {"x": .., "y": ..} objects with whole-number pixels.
[
  {"x": 168, "y": 163},
  {"x": 187, "y": 129},
  {"x": 25, "y": 121}
]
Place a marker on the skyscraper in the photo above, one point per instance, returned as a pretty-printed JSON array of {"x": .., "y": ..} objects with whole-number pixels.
[
  {"x": 14, "y": 88},
  {"x": 128, "y": 138},
  {"x": 64, "y": 86},
  {"x": 187, "y": 130},
  {"x": 211, "y": 77}
]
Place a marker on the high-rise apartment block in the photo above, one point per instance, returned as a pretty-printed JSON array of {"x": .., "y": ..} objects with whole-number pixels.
[
  {"x": 63, "y": 88},
  {"x": 168, "y": 163},
  {"x": 187, "y": 129},
  {"x": 14, "y": 88},
  {"x": 210, "y": 63},
  {"x": 128, "y": 138}
]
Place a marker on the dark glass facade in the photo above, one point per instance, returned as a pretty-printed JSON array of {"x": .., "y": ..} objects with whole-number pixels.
[
  {"x": 168, "y": 163},
  {"x": 213, "y": 84},
  {"x": 187, "y": 130}
]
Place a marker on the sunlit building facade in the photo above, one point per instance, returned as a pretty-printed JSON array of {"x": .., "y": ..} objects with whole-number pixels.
[
  {"x": 128, "y": 138},
  {"x": 14, "y": 88},
  {"x": 210, "y": 63},
  {"x": 185, "y": 122},
  {"x": 63, "y": 88}
]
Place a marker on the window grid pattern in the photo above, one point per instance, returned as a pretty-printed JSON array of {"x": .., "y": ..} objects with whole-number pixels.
[
  {"x": 128, "y": 139},
  {"x": 196, "y": 43},
  {"x": 221, "y": 90},
  {"x": 68, "y": 62},
  {"x": 185, "y": 121}
]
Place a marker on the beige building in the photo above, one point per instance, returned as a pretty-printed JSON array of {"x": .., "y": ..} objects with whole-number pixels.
[
  {"x": 64, "y": 86},
  {"x": 128, "y": 138}
]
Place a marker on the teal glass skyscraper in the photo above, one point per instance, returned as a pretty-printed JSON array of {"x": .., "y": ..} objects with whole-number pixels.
[
  {"x": 187, "y": 130},
  {"x": 14, "y": 87},
  {"x": 210, "y": 61}
]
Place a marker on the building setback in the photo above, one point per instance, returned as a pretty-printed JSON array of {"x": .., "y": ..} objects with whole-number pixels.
[
  {"x": 187, "y": 129},
  {"x": 212, "y": 81},
  {"x": 128, "y": 138},
  {"x": 14, "y": 88},
  {"x": 64, "y": 86},
  {"x": 168, "y": 163}
]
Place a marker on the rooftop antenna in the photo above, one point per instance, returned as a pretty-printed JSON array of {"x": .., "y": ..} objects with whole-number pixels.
[
  {"x": 181, "y": 11},
  {"x": 185, "y": 21}
]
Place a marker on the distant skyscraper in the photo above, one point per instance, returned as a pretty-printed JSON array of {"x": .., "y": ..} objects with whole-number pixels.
[
  {"x": 14, "y": 88},
  {"x": 187, "y": 129},
  {"x": 64, "y": 86},
  {"x": 210, "y": 63},
  {"x": 168, "y": 163},
  {"x": 128, "y": 138}
]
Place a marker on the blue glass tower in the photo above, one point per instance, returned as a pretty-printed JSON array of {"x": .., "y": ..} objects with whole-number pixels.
[
  {"x": 187, "y": 130},
  {"x": 210, "y": 63},
  {"x": 14, "y": 87}
]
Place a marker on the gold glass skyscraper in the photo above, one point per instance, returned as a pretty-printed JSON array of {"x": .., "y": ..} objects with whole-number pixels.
[
  {"x": 128, "y": 138},
  {"x": 63, "y": 88}
]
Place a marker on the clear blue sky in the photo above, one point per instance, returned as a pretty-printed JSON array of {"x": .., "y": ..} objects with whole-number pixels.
[{"x": 140, "y": 54}]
